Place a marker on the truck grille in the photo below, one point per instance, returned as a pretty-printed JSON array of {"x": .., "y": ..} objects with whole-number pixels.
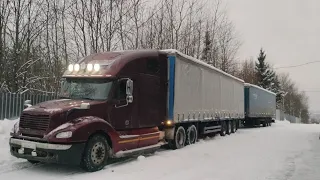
[{"x": 34, "y": 122}]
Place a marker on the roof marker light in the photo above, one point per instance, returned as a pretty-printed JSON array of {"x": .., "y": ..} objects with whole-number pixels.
[
  {"x": 96, "y": 67},
  {"x": 70, "y": 67},
  {"x": 89, "y": 67},
  {"x": 76, "y": 67}
]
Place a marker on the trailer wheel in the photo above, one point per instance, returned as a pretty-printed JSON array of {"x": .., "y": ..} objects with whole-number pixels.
[
  {"x": 33, "y": 162},
  {"x": 192, "y": 135},
  {"x": 179, "y": 139},
  {"x": 223, "y": 130},
  {"x": 265, "y": 123},
  {"x": 233, "y": 126},
  {"x": 96, "y": 154},
  {"x": 229, "y": 127}
]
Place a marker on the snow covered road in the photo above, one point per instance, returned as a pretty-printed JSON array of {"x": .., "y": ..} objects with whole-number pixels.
[{"x": 280, "y": 152}]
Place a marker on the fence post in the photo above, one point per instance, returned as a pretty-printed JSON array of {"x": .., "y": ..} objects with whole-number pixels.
[{"x": 2, "y": 106}]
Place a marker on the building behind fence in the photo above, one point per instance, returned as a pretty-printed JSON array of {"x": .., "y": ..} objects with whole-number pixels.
[{"x": 11, "y": 104}]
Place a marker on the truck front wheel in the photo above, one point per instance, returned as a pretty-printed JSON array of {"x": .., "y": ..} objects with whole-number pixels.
[
  {"x": 179, "y": 139},
  {"x": 96, "y": 153}
]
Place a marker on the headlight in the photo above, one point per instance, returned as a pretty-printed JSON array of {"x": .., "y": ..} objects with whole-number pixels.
[
  {"x": 66, "y": 134},
  {"x": 15, "y": 128}
]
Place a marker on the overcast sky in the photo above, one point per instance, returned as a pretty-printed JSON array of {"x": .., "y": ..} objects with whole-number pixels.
[{"x": 289, "y": 31}]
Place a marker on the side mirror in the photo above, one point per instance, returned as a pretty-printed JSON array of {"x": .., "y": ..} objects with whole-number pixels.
[
  {"x": 129, "y": 91},
  {"x": 27, "y": 103},
  {"x": 129, "y": 87}
]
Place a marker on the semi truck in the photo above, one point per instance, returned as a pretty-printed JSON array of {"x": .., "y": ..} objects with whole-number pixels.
[{"x": 126, "y": 103}]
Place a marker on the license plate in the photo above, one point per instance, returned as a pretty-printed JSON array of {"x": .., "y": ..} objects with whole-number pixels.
[{"x": 28, "y": 145}]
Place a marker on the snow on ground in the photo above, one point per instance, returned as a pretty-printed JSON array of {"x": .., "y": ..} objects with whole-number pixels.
[{"x": 279, "y": 152}]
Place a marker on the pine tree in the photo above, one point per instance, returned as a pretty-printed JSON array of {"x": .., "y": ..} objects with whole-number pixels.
[
  {"x": 265, "y": 75},
  {"x": 207, "y": 47},
  {"x": 267, "y": 78}
]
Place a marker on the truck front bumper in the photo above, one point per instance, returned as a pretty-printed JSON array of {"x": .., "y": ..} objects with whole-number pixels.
[{"x": 46, "y": 152}]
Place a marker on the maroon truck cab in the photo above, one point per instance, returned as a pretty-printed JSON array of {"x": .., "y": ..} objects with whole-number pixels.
[{"x": 111, "y": 105}]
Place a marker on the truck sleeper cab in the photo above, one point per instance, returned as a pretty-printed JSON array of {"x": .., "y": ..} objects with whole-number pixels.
[{"x": 125, "y": 103}]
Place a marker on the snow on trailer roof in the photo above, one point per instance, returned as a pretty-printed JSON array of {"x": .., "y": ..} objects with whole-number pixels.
[
  {"x": 252, "y": 85},
  {"x": 174, "y": 51}
]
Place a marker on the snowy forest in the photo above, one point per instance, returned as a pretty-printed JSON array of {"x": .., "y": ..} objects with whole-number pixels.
[{"x": 39, "y": 38}]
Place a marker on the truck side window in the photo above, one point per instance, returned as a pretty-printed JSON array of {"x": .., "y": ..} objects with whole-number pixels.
[{"x": 121, "y": 90}]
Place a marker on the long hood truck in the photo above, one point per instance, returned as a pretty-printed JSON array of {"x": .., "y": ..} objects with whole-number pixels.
[{"x": 126, "y": 103}]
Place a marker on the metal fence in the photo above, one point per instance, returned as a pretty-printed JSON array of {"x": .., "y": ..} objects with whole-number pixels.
[
  {"x": 11, "y": 104},
  {"x": 282, "y": 116}
]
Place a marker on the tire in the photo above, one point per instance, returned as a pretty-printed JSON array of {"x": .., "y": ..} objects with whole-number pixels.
[
  {"x": 33, "y": 162},
  {"x": 96, "y": 154},
  {"x": 265, "y": 123},
  {"x": 179, "y": 139},
  {"x": 192, "y": 135},
  {"x": 223, "y": 131},
  {"x": 233, "y": 126},
  {"x": 229, "y": 127}
]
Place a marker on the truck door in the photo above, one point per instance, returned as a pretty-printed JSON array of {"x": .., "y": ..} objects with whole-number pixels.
[{"x": 121, "y": 114}]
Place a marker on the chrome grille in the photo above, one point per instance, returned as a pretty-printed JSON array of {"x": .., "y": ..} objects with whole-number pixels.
[{"x": 34, "y": 122}]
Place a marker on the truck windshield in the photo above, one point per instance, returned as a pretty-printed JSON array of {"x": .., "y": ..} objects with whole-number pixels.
[{"x": 94, "y": 89}]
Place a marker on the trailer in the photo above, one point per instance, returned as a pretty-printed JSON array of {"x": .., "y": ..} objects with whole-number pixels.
[
  {"x": 202, "y": 99},
  {"x": 260, "y": 106}
]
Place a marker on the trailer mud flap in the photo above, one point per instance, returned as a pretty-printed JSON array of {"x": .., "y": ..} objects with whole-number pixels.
[{"x": 169, "y": 133}]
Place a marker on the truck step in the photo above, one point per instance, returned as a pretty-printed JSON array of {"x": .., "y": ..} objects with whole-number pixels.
[
  {"x": 139, "y": 151},
  {"x": 211, "y": 129}
]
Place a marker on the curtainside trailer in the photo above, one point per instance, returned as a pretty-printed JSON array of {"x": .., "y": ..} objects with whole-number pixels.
[
  {"x": 260, "y": 106},
  {"x": 125, "y": 103},
  {"x": 201, "y": 100}
]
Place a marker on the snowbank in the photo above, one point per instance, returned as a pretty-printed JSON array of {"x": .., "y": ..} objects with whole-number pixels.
[
  {"x": 249, "y": 154},
  {"x": 5, "y": 157},
  {"x": 6, "y": 126}
]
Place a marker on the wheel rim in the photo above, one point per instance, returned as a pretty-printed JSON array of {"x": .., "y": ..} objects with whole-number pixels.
[{"x": 98, "y": 153}]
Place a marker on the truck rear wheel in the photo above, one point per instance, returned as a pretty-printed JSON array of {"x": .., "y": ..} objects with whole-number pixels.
[
  {"x": 192, "y": 135},
  {"x": 96, "y": 154},
  {"x": 179, "y": 139}
]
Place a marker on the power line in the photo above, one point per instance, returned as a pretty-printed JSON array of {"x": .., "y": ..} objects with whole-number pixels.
[{"x": 293, "y": 66}]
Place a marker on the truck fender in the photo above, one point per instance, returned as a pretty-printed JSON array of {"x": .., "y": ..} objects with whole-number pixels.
[{"x": 82, "y": 128}]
